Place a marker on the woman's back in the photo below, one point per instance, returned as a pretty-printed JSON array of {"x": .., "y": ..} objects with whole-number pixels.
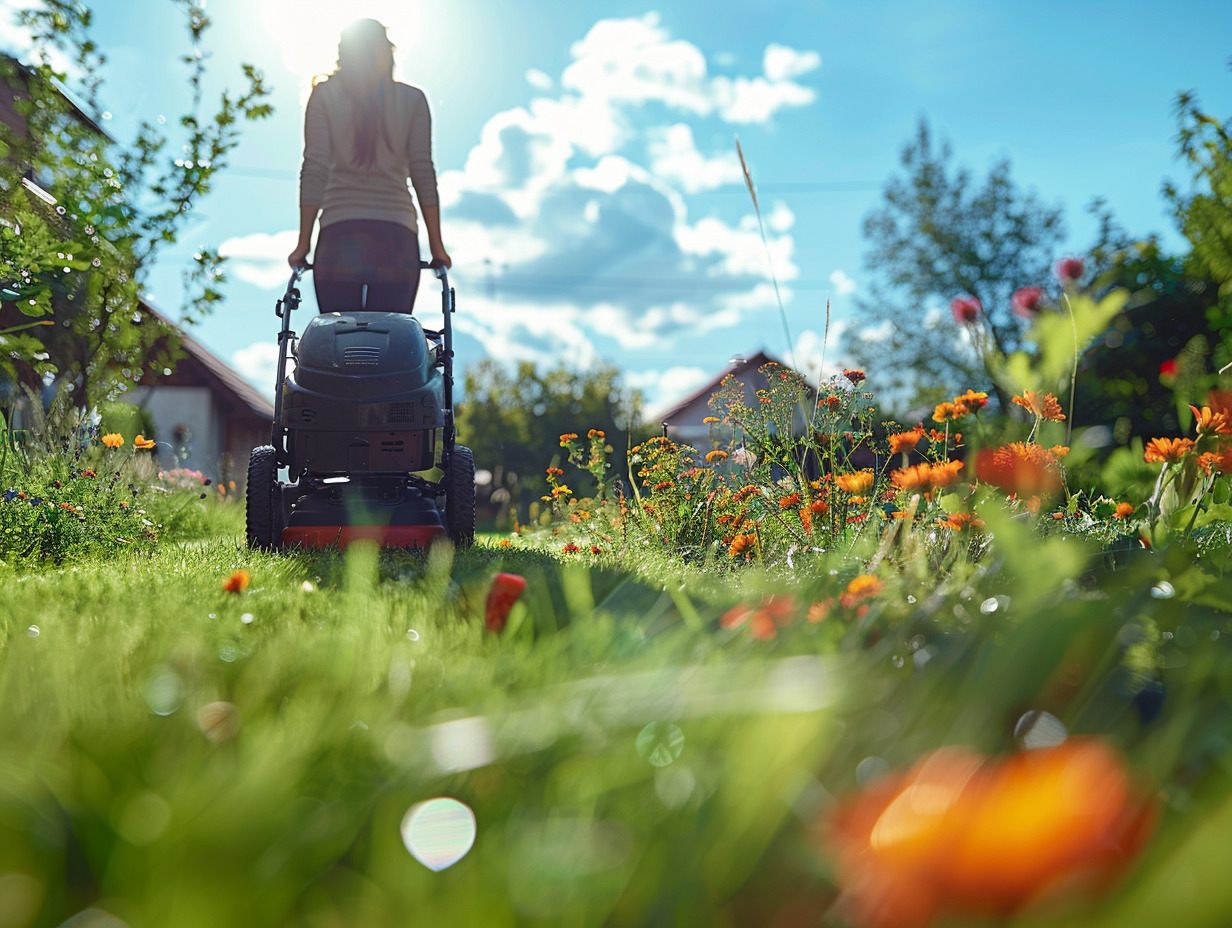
[{"x": 333, "y": 172}]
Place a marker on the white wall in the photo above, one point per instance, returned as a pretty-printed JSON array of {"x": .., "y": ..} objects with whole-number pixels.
[{"x": 192, "y": 407}]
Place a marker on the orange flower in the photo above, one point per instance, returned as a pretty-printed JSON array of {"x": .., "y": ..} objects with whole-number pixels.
[
  {"x": 1041, "y": 406},
  {"x": 567, "y": 437},
  {"x": 1218, "y": 460},
  {"x": 555, "y": 472},
  {"x": 819, "y": 506},
  {"x": 925, "y": 476},
  {"x": 818, "y": 611},
  {"x": 714, "y": 456},
  {"x": 1167, "y": 450},
  {"x": 1020, "y": 467},
  {"x": 112, "y": 439},
  {"x": 789, "y": 501},
  {"x": 944, "y": 412},
  {"x": 142, "y": 443},
  {"x": 1123, "y": 510},
  {"x": 710, "y": 420},
  {"x": 764, "y": 619},
  {"x": 905, "y": 442},
  {"x": 742, "y": 545},
  {"x": 861, "y": 588},
  {"x": 855, "y": 482},
  {"x": 961, "y": 520},
  {"x": 855, "y": 376},
  {"x": 972, "y": 401},
  {"x": 596, "y": 433},
  {"x": 237, "y": 582},
  {"x": 806, "y": 519},
  {"x": 963, "y": 835},
  {"x": 1207, "y": 422}
]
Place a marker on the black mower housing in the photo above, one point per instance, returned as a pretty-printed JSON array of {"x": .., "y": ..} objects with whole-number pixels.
[{"x": 366, "y": 396}]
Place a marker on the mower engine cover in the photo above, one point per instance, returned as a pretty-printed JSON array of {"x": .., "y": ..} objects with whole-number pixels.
[{"x": 365, "y": 396}]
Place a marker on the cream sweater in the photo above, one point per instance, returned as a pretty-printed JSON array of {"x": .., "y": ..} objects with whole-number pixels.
[{"x": 329, "y": 179}]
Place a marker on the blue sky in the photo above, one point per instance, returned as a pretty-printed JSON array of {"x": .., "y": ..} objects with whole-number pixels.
[{"x": 592, "y": 201}]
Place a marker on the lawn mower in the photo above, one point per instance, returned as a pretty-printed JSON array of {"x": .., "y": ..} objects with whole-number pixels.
[{"x": 364, "y": 431}]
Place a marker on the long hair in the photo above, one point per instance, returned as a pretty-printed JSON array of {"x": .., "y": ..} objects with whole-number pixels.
[{"x": 366, "y": 69}]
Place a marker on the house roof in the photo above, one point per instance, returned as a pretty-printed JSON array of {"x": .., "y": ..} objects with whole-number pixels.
[
  {"x": 225, "y": 377},
  {"x": 738, "y": 366}
]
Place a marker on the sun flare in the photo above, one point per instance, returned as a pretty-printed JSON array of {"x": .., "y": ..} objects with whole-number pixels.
[{"x": 306, "y": 31}]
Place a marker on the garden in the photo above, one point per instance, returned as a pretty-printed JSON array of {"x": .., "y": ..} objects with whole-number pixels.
[{"x": 824, "y": 670}]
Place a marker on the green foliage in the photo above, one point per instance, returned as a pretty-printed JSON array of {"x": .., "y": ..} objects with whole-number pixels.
[
  {"x": 507, "y": 419},
  {"x": 940, "y": 235},
  {"x": 79, "y": 261}
]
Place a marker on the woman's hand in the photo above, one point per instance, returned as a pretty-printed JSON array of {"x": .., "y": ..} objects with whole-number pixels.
[
  {"x": 299, "y": 257},
  {"x": 440, "y": 257}
]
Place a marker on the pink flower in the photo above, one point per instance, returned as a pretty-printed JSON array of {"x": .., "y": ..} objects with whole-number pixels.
[
  {"x": 1027, "y": 301},
  {"x": 966, "y": 309},
  {"x": 1068, "y": 270}
]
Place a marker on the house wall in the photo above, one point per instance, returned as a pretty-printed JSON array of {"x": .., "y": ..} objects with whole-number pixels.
[{"x": 176, "y": 409}]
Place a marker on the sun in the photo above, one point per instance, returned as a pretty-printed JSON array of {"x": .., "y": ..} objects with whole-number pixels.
[{"x": 306, "y": 31}]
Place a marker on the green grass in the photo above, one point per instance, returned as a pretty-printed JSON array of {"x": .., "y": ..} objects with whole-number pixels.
[{"x": 628, "y": 762}]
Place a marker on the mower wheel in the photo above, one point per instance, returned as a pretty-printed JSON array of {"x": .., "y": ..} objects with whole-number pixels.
[
  {"x": 460, "y": 497},
  {"x": 264, "y": 502}
]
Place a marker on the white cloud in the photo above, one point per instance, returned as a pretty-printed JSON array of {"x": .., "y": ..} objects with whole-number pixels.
[
  {"x": 634, "y": 61},
  {"x": 746, "y": 100},
  {"x": 538, "y": 79},
  {"x": 674, "y": 157},
  {"x": 843, "y": 284},
  {"x": 663, "y": 389},
  {"x": 260, "y": 258},
  {"x": 783, "y": 63},
  {"x": 258, "y": 363}
]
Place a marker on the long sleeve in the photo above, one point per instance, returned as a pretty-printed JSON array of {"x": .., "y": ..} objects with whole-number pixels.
[
  {"x": 314, "y": 173},
  {"x": 420, "y": 169}
]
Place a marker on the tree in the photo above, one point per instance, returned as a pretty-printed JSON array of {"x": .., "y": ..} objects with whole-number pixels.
[
  {"x": 74, "y": 262},
  {"x": 938, "y": 236},
  {"x": 1204, "y": 215},
  {"x": 513, "y": 422}
]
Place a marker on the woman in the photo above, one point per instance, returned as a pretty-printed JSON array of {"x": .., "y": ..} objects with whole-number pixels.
[{"x": 364, "y": 135}]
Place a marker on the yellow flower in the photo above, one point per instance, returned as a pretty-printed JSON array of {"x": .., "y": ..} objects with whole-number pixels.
[
  {"x": 714, "y": 456},
  {"x": 710, "y": 420},
  {"x": 112, "y": 439}
]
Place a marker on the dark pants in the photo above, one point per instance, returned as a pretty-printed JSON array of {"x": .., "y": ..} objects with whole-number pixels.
[{"x": 366, "y": 265}]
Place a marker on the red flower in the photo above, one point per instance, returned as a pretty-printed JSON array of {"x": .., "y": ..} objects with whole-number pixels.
[
  {"x": 855, "y": 376},
  {"x": 1168, "y": 368},
  {"x": 1027, "y": 301},
  {"x": 966, "y": 309},
  {"x": 1068, "y": 270},
  {"x": 237, "y": 582},
  {"x": 571, "y": 548},
  {"x": 502, "y": 594}
]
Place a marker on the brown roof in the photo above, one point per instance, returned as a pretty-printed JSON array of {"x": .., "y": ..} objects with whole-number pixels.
[
  {"x": 739, "y": 367},
  {"x": 225, "y": 377}
]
